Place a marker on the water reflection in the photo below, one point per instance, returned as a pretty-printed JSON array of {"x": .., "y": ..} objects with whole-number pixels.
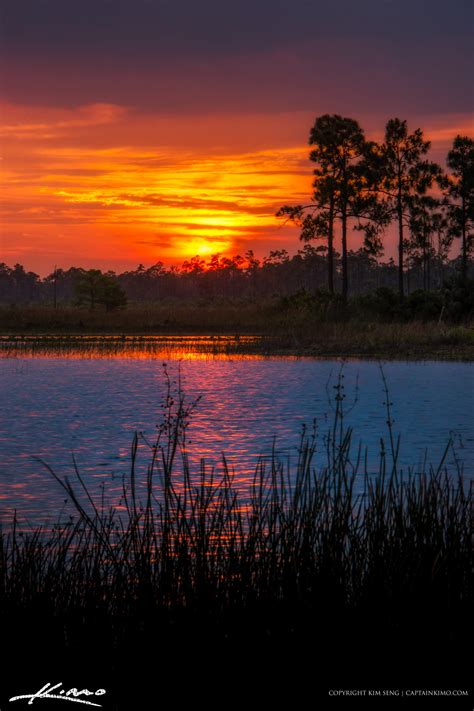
[
  {"x": 54, "y": 407},
  {"x": 136, "y": 347}
]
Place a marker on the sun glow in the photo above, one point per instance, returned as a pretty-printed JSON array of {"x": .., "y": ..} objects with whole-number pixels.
[{"x": 201, "y": 248}]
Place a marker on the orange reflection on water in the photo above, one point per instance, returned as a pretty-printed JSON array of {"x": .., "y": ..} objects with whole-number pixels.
[{"x": 247, "y": 347}]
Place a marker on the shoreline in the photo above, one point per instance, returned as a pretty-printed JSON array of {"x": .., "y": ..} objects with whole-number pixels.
[{"x": 50, "y": 343}]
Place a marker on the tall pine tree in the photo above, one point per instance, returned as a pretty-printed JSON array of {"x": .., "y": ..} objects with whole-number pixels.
[
  {"x": 460, "y": 194},
  {"x": 404, "y": 176}
]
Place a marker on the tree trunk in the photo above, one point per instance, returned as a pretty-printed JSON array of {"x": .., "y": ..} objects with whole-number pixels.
[
  {"x": 55, "y": 292},
  {"x": 425, "y": 263},
  {"x": 400, "y": 242},
  {"x": 464, "y": 239},
  {"x": 440, "y": 263},
  {"x": 331, "y": 248},
  {"x": 345, "y": 281},
  {"x": 428, "y": 264}
]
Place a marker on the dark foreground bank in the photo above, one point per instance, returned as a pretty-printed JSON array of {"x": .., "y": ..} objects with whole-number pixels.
[
  {"x": 311, "y": 582},
  {"x": 202, "y": 592}
]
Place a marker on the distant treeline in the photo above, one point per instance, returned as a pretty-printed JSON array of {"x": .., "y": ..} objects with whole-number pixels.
[{"x": 277, "y": 275}]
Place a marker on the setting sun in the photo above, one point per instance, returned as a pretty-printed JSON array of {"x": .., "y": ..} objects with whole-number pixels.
[{"x": 196, "y": 247}]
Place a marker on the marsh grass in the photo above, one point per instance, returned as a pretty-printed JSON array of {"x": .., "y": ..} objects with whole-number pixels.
[
  {"x": 350, "y": 339},
  {"x": 328, "y": 546},
  {"x": 298, "y": 331},
  {"x": 168, "y": 317},
  {"x": 113, "y": 346}
]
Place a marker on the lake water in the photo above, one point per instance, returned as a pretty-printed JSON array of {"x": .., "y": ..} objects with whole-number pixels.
[{"x": 54, "y": 407}]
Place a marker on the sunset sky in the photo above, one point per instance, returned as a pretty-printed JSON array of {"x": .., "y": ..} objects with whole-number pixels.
[{"x": 144, "y": 130}]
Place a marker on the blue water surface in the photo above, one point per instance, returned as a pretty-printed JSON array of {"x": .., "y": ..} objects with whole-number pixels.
[{"x": 54, "y": 408}]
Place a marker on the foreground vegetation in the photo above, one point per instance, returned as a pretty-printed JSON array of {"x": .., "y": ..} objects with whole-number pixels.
[{"x": 328, "y": 567}]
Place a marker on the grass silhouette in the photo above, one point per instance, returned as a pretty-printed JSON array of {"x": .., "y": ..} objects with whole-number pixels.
[{"x": 327, "y": 554}]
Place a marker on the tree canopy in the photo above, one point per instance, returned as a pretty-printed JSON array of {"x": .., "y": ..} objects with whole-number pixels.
[{"x": 93, "y": 288}]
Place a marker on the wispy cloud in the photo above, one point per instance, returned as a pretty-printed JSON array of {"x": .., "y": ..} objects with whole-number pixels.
[{"x": 60, "y": 125}]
